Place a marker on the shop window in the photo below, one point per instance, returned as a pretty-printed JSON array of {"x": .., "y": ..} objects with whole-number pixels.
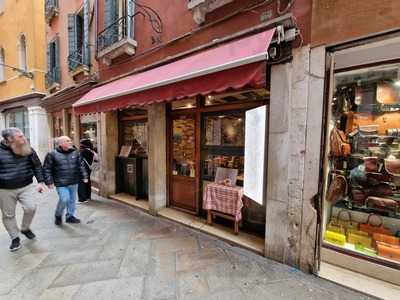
[
  {"x": 183, "y": 104},
  {"x": 22, "y": 53},
  {"x": 134, "y": 133},
  {"x": 18, "y": 118},
  {"x": 2, "y": 67},
  {"x": 236, "y": 97},
  {"x": 88, "y": 129},
  {"x": 362, "y": 198},
  {"x": 223, "y": 145}
]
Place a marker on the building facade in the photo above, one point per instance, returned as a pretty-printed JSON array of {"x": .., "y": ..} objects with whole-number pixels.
[
  {"x": 178, "y": 90},
  {"x": 22, "y": 70},
  {"x": 71, "y": 67},
  {"x": 360, "y": 226}
]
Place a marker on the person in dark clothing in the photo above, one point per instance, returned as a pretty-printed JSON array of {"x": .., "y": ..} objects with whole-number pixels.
[
  {"x": 18, "y": 164},
  {"x": 64, "y": 168},
  {"x": 89, "y": 156}
]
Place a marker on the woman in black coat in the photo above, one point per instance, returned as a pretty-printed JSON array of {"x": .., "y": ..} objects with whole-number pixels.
[{"x": 88, "y": 156}]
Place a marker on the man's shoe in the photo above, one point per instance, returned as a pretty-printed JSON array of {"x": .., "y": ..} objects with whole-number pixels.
[
  {"x": 15, "y": 244},
  {"x": 58, "y": 221},
  {"x": 29, "y": 234},
  {"x": 83, "y": 201},
  {"x": 72, "y": 220}
]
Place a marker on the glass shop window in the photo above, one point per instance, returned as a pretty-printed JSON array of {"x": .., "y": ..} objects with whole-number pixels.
[{"x": 362, "y": 198}]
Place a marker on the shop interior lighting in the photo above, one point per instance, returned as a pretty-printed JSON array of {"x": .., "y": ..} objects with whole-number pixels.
[{"x": 397, "y": 82}]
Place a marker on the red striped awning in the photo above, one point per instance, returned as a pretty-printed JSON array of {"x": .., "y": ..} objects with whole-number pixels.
[{"x": 234, "y": 65}]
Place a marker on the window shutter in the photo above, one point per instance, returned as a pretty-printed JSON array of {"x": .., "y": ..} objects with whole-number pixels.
[
  {"x": 110, "y": 16},
  {"x": 72, "y": 38},
  {"x": 48, "y": 56},
  {"x": 86, "y": 20},
  {"x": 56, "y": 54}
]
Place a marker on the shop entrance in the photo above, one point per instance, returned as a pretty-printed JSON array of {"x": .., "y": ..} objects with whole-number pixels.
[{"x": 207, "y": 136}]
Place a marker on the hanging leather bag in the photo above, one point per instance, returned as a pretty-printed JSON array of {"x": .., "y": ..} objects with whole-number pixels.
[
  {"x": 337, "y": 189},
  {"x": 339, "y": 147}
]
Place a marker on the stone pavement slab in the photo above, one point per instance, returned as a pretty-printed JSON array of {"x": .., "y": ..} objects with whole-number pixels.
[{"x": 118, "y": 252}]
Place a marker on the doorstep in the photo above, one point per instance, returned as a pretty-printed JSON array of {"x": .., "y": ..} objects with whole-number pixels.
[
  {"x": 359, "y": 282},
  {"x": 243, "y": 239},
  {"x": 131, "y": 200}
]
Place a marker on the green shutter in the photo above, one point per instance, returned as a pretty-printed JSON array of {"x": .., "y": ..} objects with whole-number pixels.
[
  {"x": 86, "y": 20},
  {"x": 72, "y": 40}
]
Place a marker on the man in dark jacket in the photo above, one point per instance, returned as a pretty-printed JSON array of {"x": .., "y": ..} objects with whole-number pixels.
[
  {"x": 64, "y": 168},
  {"x": 18, "y": 164},
  {"x": 89, "y": 157}
]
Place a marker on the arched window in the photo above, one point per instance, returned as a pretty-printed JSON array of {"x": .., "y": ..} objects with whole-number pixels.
[
  {"x": 2, "y": 67},
  {"x": 22, "y": 53}
]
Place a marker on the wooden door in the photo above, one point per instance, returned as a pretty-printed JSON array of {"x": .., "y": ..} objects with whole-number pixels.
[{"x": 183, "y": 169}]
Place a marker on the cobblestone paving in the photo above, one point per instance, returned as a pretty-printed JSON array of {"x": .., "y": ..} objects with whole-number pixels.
[{"x": 121, "y": 253}]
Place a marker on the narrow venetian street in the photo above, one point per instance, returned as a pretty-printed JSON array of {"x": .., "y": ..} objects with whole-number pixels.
[{"x": 122, "y": 253}]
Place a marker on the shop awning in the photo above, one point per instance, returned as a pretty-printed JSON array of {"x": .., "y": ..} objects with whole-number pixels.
[{"x": 234, "y": 65}]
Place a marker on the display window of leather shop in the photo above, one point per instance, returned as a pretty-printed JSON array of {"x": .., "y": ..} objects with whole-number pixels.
[
  {"x": 362, "y": 175},
  {"x": 132, "y": 162},
  {"x": 206, "y": 136}
]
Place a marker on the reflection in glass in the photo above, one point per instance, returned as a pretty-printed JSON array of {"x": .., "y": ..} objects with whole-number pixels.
[{"x": 183, "y": 162}]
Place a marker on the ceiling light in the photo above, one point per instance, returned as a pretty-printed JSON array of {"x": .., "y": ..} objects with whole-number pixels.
[{"x": 397, "y": 83}]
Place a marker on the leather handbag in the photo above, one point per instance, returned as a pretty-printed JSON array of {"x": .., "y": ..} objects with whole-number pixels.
[
  {"x": 335, "y": 238},
  {"x": 371, "y": 163},
  {"x": 382, "y": 204},
  {"x": 382, "y": 189},
  {"x": 384, "y": 238},
  {"x": 392, "y": 166},
  {"x": 337, "y": 189},
  {"x": 339, "y": 147},
  {"x": 387, "y": 94},
  {"x": 368, "y": 130},
  {"x": 359, "y": 196},
  {"x": 347, "y": 223},
  {"x": 371, "y": 229},
  {"x": 388, "y": 251},
  {"x": 359, "y": 239}
]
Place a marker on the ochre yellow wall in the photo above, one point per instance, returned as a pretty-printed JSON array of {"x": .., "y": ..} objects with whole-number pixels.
[{"x": 23, "y": 17}]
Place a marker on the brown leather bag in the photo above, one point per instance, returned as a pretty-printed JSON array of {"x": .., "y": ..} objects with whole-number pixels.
[
  {"x": 339, "y": 147},
  {"x": 384, "y": 204},
  {"x": 359, "y": 196},
  {"x": 381, "y": 190},
  {"x": 337, "y": 189}
]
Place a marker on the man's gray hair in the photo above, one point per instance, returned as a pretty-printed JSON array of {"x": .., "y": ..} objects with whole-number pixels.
[
  {"x": 10, "y": 132},
  {"x": 59, "y": 140}
]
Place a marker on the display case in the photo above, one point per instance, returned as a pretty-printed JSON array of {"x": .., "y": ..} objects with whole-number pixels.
[{"x": 362, "y": 195}]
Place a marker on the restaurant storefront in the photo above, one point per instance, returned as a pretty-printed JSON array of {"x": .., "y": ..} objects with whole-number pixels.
[{"x": 230, "y": 110}]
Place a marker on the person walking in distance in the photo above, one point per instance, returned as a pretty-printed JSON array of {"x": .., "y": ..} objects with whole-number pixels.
[
  {"x": 89, "y": 157},
  {"x": 64, "y": 168},
  {"x": 18, "y": 164}
]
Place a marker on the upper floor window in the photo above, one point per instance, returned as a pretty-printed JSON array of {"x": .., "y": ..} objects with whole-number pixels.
[
  {"x": 53, "y": 59},
  {"x": 18, "y": 117},
  {"x": 2, "y": 67},
  {"x": 78, "y": 38},
  {"x": 22, "y": 53}
]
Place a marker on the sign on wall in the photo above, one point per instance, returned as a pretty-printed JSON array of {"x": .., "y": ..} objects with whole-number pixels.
[{"x": 255, "y": 154}]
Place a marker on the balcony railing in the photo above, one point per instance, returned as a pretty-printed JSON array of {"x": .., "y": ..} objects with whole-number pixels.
[
  {"x": 114, "y": 33},
  {"x": 51, "y": 9},
  {"x": 75, "y": 59},
  {"x": 53, "y": 76}
]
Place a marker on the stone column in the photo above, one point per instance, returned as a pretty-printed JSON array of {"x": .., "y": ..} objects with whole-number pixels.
[
  {"x": 288, "y": 129},
  {"x": 76, "y": 126},
  {"x": 108, "y": 152},
  {"x": 157, "y": 157},
  {"x": 2, "y": 121},
  {"x": 39, "y": 130}
]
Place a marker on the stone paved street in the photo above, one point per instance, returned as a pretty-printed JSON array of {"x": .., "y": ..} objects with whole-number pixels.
[{"x": 121, "y": 253}]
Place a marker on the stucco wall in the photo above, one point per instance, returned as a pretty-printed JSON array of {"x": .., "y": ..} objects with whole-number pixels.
[
  {"x": 335, "y": 21},
  {"x": 28, "y": 21}
]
